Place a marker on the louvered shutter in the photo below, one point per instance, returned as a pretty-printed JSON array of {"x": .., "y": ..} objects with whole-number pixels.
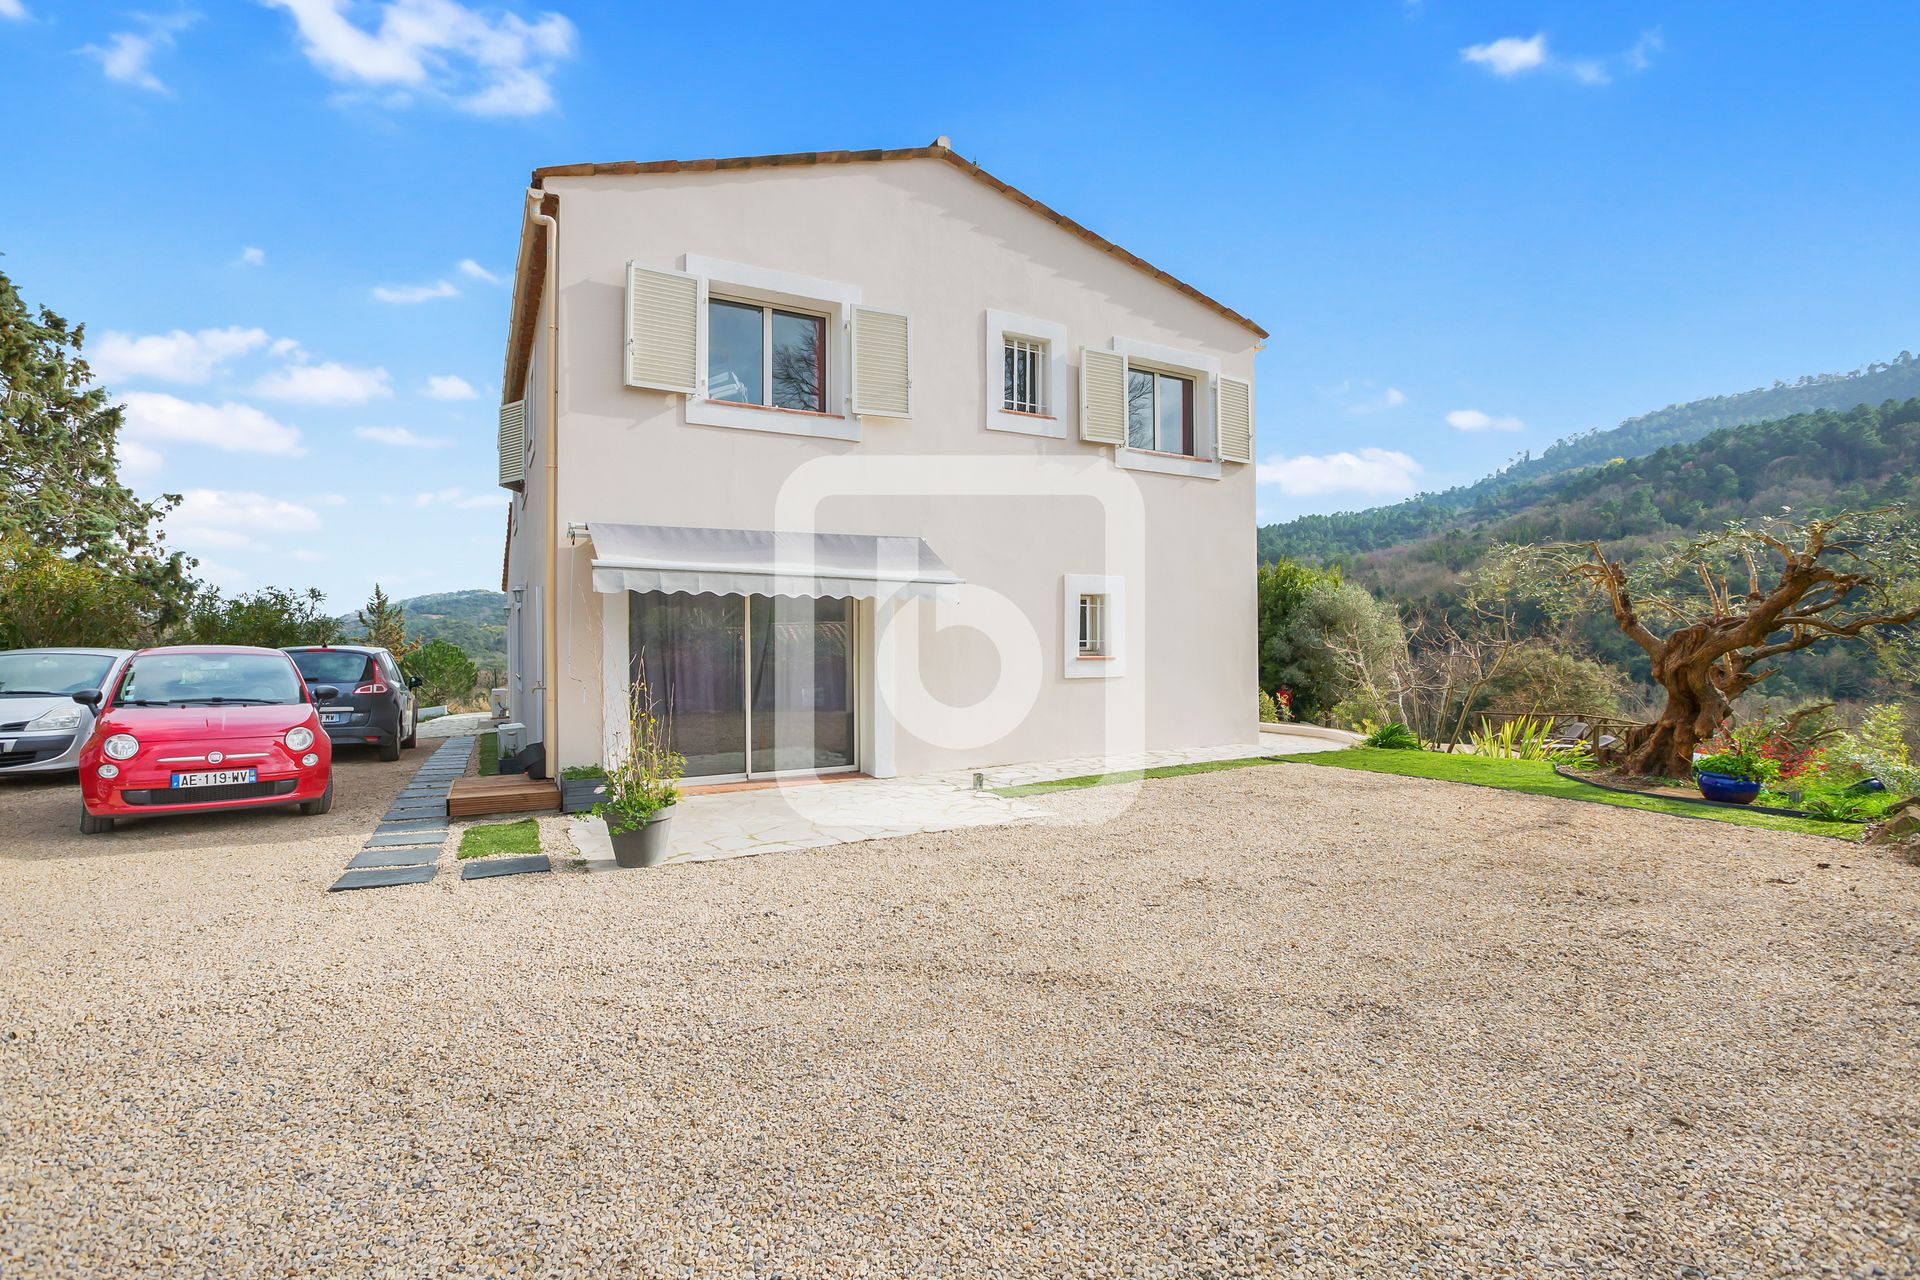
[
  {"x": 1235, "y": 420},
  {"x": 882, "y": 374},
  {"x": 1103, "y": 396},
  {"x": 663, "y": 330},
  {"x": 513, "y": 444}
]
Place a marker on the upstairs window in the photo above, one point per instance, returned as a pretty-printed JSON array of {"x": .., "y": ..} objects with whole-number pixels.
[
  {"x": 1027, "y": 373},
  {"x": 1159, "y": 412},
  {"x": 766, "y": 356}
]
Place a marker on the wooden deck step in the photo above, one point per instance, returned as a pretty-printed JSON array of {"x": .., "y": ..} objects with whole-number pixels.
[{"x": 507, "y": 793}]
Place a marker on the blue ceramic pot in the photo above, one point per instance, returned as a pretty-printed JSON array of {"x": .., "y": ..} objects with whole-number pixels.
[{"x": 1726, "y": 788}]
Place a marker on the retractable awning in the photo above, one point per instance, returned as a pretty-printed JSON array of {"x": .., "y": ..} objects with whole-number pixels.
[{"x": 747, "y": 562}]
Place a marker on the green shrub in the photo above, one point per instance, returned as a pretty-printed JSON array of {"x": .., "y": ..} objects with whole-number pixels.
[
  {"x": 1393, "y": 737},
  {"x": 1877, "y": 749},
  {"x": 1269, "y": 713},
  {"x": 446, "y": 674}
]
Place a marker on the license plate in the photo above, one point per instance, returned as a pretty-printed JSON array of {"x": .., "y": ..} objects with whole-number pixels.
[
  {"x": 333, "y": 717},
  {"x": 213, "y": 778}
]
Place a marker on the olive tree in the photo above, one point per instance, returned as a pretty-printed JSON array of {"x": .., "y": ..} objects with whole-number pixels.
[{"x": 1710, "y": 613}]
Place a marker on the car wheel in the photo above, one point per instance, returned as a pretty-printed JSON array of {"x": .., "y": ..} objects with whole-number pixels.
[
  {"x": 390, "y": 748},
  {"x": 413, "y": 730},
  {"x": 93, "y": 826},
  {"x": 314, "y": 808}
]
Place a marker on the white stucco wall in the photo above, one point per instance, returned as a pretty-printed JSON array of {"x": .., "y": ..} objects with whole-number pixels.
[{"x": 917, "y": 236}]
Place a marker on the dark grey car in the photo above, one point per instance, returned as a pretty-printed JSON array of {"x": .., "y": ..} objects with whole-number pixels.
[{"x": 376, "y": 706}]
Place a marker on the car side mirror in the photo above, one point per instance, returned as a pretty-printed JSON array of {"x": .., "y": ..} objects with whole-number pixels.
[
  {"x": 89, "y": 697},
  {"x": 414, "y": 682},
  {"x": 324, "y": 693}
]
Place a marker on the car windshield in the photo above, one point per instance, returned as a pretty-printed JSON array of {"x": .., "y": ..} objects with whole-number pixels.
[
  {"x": 25, "y": 672},
  {"x": 180, "y": 679},
  {"x": 331, "y": 666}
]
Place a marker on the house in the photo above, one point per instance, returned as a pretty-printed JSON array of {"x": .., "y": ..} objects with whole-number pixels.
[{"x": 867, "y": 461}]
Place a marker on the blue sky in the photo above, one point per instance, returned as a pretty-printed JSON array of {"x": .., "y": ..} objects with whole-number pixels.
[{"x": 1472, "y": 227}]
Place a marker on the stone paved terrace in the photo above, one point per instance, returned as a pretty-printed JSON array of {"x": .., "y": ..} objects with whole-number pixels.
[{"x": 809, "y": 815}]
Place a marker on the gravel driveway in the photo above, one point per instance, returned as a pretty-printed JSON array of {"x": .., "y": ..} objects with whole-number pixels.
[{"x": 1279, "y": 1020}]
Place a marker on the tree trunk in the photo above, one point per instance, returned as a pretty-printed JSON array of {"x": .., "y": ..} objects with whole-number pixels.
[{"x": 1695, "y": 710}]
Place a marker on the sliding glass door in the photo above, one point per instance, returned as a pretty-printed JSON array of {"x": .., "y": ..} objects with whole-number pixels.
[{"x": 749, "y": 685}]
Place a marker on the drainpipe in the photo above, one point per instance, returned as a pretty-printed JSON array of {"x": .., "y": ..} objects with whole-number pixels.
[{"x": 550, "y": 625}]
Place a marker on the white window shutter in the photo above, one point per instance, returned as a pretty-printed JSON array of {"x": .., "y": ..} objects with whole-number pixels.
[
  {"x": 513, "y": 444},
  {"x": 1103, "y": 396},
  {"x": 663, "y": 330},
  {"x": 882, "y": 367},
  {"x": 1235, "y": 419}
]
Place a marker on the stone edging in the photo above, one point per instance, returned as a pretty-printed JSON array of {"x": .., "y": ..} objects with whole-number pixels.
[{"x": 1703, "y": 802}]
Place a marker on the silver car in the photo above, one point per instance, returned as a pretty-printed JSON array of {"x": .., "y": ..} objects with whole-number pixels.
[{"x": 41, "y": 727}]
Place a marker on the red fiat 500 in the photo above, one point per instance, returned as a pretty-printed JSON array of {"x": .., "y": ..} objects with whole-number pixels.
[{"x": 200, "y": 728}]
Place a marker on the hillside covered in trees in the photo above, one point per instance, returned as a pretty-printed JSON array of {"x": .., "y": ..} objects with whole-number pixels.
[
  {"x": 1339, "y": 538},
  {"x": 473, "y": 621},
  {"x": 1807, "y": 464}
]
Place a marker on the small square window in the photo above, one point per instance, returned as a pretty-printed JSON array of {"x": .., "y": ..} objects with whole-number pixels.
[
  {"x": 1093, "y": 625},
  {"x": 1025, "y": 365}
]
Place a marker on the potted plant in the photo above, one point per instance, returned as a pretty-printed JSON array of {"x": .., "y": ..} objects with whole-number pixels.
[
  {"x": 582, "y": 786},
  {"x": 642, "y": 787},
  {"x": 1735, "y": 772}
]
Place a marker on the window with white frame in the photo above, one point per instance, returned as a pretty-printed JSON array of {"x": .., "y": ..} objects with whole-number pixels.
[
  {"x": 763, "y": 355},
  {"x": 1093, "y": 624},
  {"x": 1096, "y": 624},
  {"x": 1159, "y": 411},
  {"x": 1026, "y": 368}
]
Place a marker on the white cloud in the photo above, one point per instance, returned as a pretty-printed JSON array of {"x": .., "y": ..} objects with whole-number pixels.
[
  {"x": 306, "y": 555},
  {"x": 440, "y": 49},
  {"x": 327, "y": 383},
  {"x": 287, "y": 349},
  {"x": 127, "y": 55},
  {"x": 468, "y": 267},
  {"x": 1475, "y": 420},
  {"x": 410, "y": 293},
  {"x": 1370, "y": 471},
  {"x": 252, "y": 256},
  {"x": 136, "y": 459},
  {"x": 170, "y": 357},
  {"x": 14, "y": 9},
  {"x": 154, "y": 417},
  {"x": 1510, "y": 56},
  {"x": 326, "y": 500},
  {"x": 455, "y": 497},
  {"x": 449, "y": 387},
  {"x": 230, "y": 520},
  {"x": 400, "y": 437}
]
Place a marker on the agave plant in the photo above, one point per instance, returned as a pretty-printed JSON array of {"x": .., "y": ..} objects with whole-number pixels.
[{"x": 1525, "y": 738}]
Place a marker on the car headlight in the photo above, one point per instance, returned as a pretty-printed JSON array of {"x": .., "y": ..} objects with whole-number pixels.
[
  {"x": 299, "y": 739},
  {"x": 121, "y": 746},
  {"x": 58, "y": 718}
]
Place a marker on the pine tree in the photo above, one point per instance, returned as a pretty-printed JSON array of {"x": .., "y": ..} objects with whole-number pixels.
[
  {"x": 385, "y": 623},
  {"x": 59, "y": 485}
]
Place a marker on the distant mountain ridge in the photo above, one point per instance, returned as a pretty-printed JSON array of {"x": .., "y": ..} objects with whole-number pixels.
[
  {"x": 476, "y": 621},
  {"x": 1328, "y": 538}
]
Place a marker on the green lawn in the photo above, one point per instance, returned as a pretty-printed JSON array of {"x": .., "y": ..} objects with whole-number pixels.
[
  {"x": 1536, "y": 777},
  {"x": 489, "y": 754},
  {"x": 501, "y": 837},
  {"x": 1129, "y": 775}
]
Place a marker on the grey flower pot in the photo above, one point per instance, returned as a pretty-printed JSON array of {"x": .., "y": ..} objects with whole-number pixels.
[
  {"x": 646, "y": 845},
  {"x": 577, "y": 795}
]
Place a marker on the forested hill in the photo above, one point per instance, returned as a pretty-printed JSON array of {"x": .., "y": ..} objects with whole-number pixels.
[
  {"x": 476, "y": 621},
  {"x": 1811, "y": 462},
  {"x": 1325, "y": 539}
]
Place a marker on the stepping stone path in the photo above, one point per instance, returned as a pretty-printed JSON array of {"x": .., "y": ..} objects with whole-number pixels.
[{"x": 406, "y": 845}]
